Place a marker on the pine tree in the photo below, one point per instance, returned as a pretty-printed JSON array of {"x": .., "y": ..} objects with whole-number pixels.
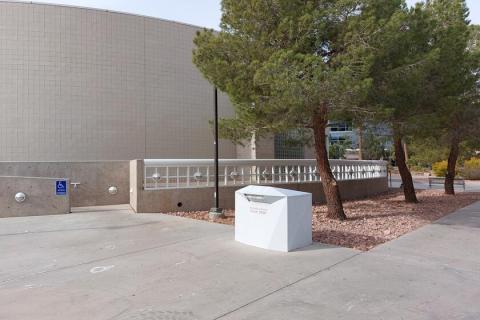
[
  {"x": 402, "y": 89},
  {"x": 457, "y": 113},
  {"x": 293, "y": 64}
]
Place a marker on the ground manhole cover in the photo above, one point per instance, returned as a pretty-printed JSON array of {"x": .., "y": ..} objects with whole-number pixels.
[{"x": 150, "y": 314}]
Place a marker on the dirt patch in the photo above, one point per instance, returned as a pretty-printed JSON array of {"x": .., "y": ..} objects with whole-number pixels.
[{"x": 372, "y": 221}]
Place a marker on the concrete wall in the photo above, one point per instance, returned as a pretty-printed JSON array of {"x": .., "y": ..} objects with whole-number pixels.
[
  {"x": 41, "y": 197},
  {"x": 193, "y": 199},
  {"x": 82, "y": 84},
  {"x": 94, "y": 177},
  {"x": 263, "y": 148}
]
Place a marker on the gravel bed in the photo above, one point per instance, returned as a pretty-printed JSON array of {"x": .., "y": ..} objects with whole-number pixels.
[{"x": 372, "y": 221}]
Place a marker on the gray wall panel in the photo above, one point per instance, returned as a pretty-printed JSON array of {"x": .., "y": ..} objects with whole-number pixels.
[{"x": 82, "y": 84}]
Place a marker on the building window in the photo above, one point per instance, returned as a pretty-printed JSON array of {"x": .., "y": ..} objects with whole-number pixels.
[
  {"x": 340, "y": 126},
  {"x": 335, "y": 140}
]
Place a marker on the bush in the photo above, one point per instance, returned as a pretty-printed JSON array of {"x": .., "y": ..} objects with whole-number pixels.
[
  {"x": 471, "y": 169},
  {"x": 337, "y": 151},
  {"x": 440, "y": 168},
  {"x": 425, "y": 152}
]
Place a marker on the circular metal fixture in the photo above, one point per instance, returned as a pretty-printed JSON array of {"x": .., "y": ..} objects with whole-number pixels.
[
  {"x": 113, "y": 190},
  {"x": 198, "y": 176},
  {"x": 20, "y": 197},
  {"x": 234, "y": 175},
  {"x": 156, "y": 177}
]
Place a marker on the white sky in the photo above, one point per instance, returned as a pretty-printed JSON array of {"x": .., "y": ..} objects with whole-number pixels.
[{"x": 205, "y": 13}]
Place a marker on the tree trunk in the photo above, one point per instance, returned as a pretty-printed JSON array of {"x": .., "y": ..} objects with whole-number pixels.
[
  {"x": 451, "y": 168},
  {"x": 360, "y": 143},
  {"x": 329, "y": 183},
  {"x": 408, "y": 188},
  {"x": 405, "y": 150}
]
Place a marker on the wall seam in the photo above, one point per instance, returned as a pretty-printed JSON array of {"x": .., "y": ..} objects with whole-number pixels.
[{"x": 145, "y": 86}]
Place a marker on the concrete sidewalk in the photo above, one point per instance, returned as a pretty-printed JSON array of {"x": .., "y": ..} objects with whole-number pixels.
[{"x": 106, "y": 263}]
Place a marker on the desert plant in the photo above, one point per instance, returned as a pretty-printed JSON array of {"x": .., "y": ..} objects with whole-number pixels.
[
  {"x": 440, "y": 168},
  {"x": 471, "y": 169}
]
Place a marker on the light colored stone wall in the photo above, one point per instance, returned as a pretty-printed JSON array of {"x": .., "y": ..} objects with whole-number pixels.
[
  {"x": 81, "y": 84},
  {"x": 41, "y": 197},
  {"x": 310, "y": 152},
  {"x": 94, "y": 177},
  {"x": 263, "y": 148}
]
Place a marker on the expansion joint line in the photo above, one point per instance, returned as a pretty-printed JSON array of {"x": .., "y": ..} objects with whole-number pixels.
[{"x": 286, "y": 286}]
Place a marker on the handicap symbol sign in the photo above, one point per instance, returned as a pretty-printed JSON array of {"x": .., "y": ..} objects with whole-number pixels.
[{"x": 61, "y": 187}]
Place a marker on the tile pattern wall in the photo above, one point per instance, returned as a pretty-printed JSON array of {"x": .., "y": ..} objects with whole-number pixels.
[{"x": 84, "y": 84}]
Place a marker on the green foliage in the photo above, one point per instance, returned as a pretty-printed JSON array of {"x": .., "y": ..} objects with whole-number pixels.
[
  {"x": 456, "y": 74},
  {"x": 338, "y": 150},
  {"x": 454, "y": 116},
  {"x": 424, "y": 152},
  {"x": 281, "y": 60},
  {"x": 375, "y": 147},
  {"x": 471, "y": 169},
  {"x": 469, "y": 148},
  {"x": 402, "y": 68},
  {"x": 440, "y": 168}
]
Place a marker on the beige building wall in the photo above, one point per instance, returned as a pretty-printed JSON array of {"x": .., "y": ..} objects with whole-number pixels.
[
  {"x": 263, "y": 148},
  {"x": 84, "y": 84}
]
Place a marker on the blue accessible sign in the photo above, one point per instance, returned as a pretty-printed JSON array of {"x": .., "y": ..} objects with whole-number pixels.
[{"x": 61, "y": 187}]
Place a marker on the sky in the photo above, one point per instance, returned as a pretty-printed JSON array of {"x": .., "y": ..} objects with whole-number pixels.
[{"x": 205, "y": 13}]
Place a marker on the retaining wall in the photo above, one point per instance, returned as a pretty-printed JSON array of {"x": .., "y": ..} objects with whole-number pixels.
[
  {"x": 94, "y": 177},
  {"x": 192, "y": 199},
  {"x": 41, "y": 198}
]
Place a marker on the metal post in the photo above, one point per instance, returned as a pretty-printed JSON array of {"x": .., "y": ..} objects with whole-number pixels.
[{"x": 216, "y": 211}]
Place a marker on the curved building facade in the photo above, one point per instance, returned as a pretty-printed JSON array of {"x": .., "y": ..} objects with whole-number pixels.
[{"x": 86, "y": 84}]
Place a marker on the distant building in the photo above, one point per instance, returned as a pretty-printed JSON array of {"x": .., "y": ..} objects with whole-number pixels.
[{"x": 341, "y": 132}]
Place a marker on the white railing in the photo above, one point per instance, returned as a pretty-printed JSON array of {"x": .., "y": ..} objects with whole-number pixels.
[{"x": 199, "y": 173}]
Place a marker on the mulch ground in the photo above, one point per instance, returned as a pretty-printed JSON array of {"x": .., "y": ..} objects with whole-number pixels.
[{"x": 372, "y": 221}]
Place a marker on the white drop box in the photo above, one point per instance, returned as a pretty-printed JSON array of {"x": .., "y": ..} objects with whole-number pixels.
[{"x": 273, "y": 218}]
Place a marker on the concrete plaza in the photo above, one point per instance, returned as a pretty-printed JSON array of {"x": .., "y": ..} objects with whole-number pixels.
[{"x": 107, "y": 263}]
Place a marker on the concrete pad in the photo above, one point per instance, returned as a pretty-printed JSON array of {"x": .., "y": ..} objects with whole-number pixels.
[
  {"x": 467, "y": 217},
  {"x": 108, "y": 264},
  {"x": 370, "y": 286},
  {"x": 432, "y": 273}
]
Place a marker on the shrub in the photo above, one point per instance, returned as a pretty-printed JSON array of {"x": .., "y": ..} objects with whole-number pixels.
[
  {"x": 425, "y": 152},
  {"x": 440, "y": 168},
  {"x": 471, "y": 169},
  {"x": 337, "y": 151}
]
